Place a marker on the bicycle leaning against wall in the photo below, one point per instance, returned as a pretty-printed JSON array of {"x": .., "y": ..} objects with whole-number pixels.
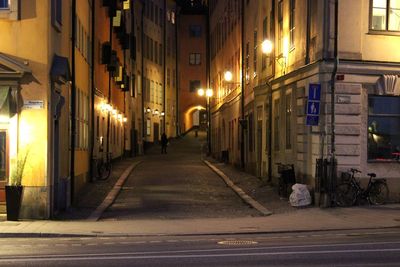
[
  {"x": 348, "y": 192},
  {"x": 102, "y": 167}
]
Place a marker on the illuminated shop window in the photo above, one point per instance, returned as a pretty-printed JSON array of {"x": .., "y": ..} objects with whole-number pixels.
[
  {"x": 4, "y": 4},
  {"x": 383, "y": 128}
]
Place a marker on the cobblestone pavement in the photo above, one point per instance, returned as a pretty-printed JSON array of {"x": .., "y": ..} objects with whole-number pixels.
[{"x": 176, "y": 185}]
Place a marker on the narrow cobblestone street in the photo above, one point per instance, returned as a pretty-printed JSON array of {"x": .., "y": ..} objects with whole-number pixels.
[{"x": 176, "y": 185}]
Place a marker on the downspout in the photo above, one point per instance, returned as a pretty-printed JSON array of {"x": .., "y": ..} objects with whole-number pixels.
[
  {"x": 177, "y": 124},
  {"x": 242, "y": 162},
  {"x": 92, "y": 94},
  {"x": 333, "y": 78},
  {"x": 308, "y": 33},
  {"x": 270, "y": 95},
  {"x": 73, "y": 99},
  {"x": 208, "y": 68},
  {"x": 142, "y": 77},
  {"x": 165, "y": 64},
  {"x": 109, "y": 91}
]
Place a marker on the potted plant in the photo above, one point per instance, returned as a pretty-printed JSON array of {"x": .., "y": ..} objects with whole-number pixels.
[{"x": 14, "y": 189}]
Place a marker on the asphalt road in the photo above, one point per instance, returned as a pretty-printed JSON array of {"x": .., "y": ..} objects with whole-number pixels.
[
  {"x": 176, "y": 185},
  {"x": 345, "y": 248}
]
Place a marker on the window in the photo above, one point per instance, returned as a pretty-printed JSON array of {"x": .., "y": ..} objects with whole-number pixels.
[
  {"x": 265, "y": 36},
  {"x": 255, "y": 54},
  {"x": 56, "y": 14},
  {"x": 280, "y": 26},
  {"x": 194, "y": 59},
  {"x": 3, "y": 155},
  {"x": 251, "y": 132},
  {"x": 383, "y": 128},
  {"x": 385, "y": 15},
  {"x": 195, "y": 31},
  {"x": 288, "y": 115},
  {"x": 194, "y": 85},
  {"x": 292, "y": 22},
  {"x": 4, "y": 4},
  {"x": 276, "y": 124},
  {"x": 247, "y": 62},
  {"x": 160, "y": 54},
  {"x": 156, "y": 52}
]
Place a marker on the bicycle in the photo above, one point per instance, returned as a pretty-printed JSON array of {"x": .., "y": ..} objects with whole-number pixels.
[
  {"x": 350, "y": 191},
  {"x": 103, "y": 168}
]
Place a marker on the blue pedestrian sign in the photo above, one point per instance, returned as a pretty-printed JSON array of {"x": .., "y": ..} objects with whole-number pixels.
[
  {"x": 313, "y": 104},
  {"x": 313, "y": 108},
  {"x": 314, "y": 92}
]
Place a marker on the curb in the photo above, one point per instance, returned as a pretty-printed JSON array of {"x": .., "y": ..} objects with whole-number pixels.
[
  {"x": 109, "y": 199},
  {"x": 245, "y": 197}
]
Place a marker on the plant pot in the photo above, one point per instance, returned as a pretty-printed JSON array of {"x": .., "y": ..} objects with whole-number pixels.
[{"x": 13, "y": 201}]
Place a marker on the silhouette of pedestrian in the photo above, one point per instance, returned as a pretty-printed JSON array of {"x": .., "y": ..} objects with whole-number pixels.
[{"x": 164, "y": 143}]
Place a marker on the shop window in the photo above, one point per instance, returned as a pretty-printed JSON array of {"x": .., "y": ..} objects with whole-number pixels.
[
  {"x": 3, "y": 155},
  {"x": 385, "y": 15},
  {"x": 383, "y": 128},
  {"x": 56, "y": 13}
]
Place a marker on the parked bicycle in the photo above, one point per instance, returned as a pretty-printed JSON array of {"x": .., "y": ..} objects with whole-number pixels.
[
  {"x": 102, "y": 167},
  {"x": 349, "y": 192}
]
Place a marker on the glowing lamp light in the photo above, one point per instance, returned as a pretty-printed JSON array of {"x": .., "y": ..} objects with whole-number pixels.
[
  {"x": 148, "y": 110},
  {"x": 209, "y": 92},
  {"x": 114, "y": 112},
  {"x": 200, "y": 92},
  {"x": 156, "y": 112},
  {"x": 124, "y": 119},
  {"x": 228, "y": 76},
  {"x": 162, "y": 113},
  {"x": 120, "y": 116},
  {"x": 266, "y": 47}
]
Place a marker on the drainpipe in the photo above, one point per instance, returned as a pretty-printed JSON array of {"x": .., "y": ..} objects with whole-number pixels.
[
  {"x": 73, "y": 99},
  {"x": 92, "y": 94},
  {"x": 270, "y": 96},
  {"x": 333, "y": 78},
  {"x": 177, "y": 125},
  {"x": 165, "y": 64},
  {"x": 242, "y": 161},
  {"x": 109, "y": 90},
  {"x": 208, "y": 59},
  {"x": 308, "y": 33},
  {"x": 142, "y": 77}
]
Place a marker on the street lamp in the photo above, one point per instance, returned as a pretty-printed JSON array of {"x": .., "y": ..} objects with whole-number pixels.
[
  {"x": 208, "y": 93},
  {"x": 228, "y": 76}
]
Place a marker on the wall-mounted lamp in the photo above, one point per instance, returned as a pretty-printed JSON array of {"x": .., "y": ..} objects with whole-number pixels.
[
  {"x": 228, "y": 76},
  {"x": 162, "y": 113},
  {"x": 148, "y": 110}
]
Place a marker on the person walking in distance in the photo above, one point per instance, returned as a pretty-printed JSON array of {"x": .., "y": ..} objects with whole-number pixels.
[{"x": 164, "y": 143}]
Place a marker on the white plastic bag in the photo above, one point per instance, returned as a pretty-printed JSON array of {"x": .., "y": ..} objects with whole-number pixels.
[{"x": 300, "y": 196}]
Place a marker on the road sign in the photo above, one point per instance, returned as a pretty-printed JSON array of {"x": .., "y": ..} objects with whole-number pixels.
[
  {"x": 313, "y": 104},
  {"x": 314, "y": 92},
  {"x": 313, "y": 107},
  {"x": 312, "y": 120}
]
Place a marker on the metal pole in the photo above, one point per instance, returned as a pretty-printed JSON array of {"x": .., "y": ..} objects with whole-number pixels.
[{"x": 73, "y": 99}]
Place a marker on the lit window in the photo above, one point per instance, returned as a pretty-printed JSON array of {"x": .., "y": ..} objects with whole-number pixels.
[
  {"x": 385, "y": 15},
  {"x": 383, "y": 128}
]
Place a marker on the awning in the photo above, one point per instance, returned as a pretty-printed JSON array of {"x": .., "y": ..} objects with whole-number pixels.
[
  {"x": 8, "y": 105},
  {"x": 59, "y": 71},
  {"x": 14, "y": 68}
]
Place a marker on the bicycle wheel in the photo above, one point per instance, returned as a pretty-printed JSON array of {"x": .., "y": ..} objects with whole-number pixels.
[
  {"x": 104, "y": 171},
  {"x": 378, "y": 194},
  {"x": 345, "y": 195}
]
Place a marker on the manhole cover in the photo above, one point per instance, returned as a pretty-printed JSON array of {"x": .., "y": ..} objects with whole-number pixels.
[{"x": 237, "y": 242}]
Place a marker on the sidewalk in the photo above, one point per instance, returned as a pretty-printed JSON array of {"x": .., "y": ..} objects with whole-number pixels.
[{"x": 284, "y": 218}]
